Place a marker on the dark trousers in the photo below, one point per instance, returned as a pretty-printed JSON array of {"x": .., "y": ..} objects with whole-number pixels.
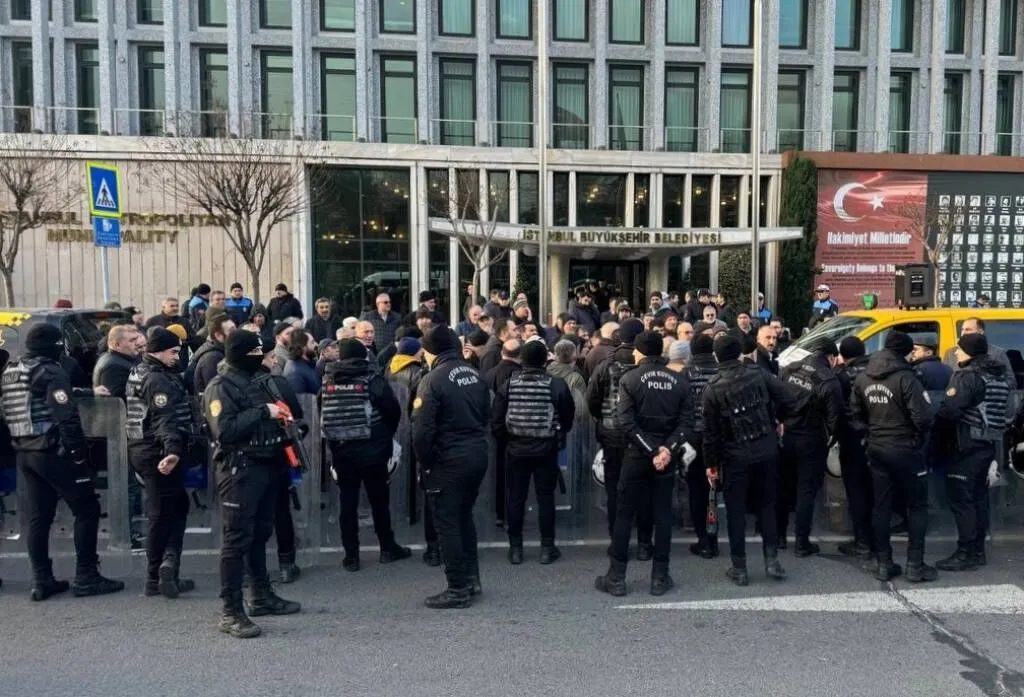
[
  {"x": 248, "y": 494},
  {"x": 544, "y": 471},
  {"x": 967, "y": 488},
  {"x": 857, "y": 481},
  {"x": 500, "y": 479},
  {"x": 643, "y": 489},
  {"x": 801, "y": 473},
  {"x": 613, "y": 458},
  {"x": 451, "y": 495},
  {"x": 698, "y": 490},
  {"x": 902, "y": 471},
  {"x": 352, "y": 476},
  {"x": 284, "y": 527},
  {"x": 46, "y": 478},
  {"x": 739, "y": 477},
  {"x": 429, "y": 531},
  {"x": 167, "y": 507}
]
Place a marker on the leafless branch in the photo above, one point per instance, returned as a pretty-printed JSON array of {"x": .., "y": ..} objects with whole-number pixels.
[
  {"x": 475, "y": 226},
  {"x": 932, "y": 228}
]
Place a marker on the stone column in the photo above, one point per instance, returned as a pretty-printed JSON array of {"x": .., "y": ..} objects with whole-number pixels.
[
  {"x": 937, "y": 70},
  {"x": 711, "y": 107},
  {"x": 990, "y": 77},
  {"x": 882, "y": 69}
]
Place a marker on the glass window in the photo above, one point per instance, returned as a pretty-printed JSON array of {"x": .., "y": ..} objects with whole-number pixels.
[
  {"x": 21, "y": 9},
  {"x": 437, "y": 193},
  {"x": 361, "y": 247},
  {"x": 627, "y": 22},
  {"x": 398, "y": 16},
  {"x": 600, "y": 200},
  {"x": 791, "y": 110},
  {"x": 899, "y": 112},
  {"x": 730, "y": 201},
  {"x": 763, "y": 218},
  {"x": 1008, "y": 28},
  {"x": 497, "y": 196},
  {"x": 1004, "y": 115},
  {"x": 681, "y": 109},
  {"x": 458, "y": 102},
  {"x": 845, "y": 98},
  {"x": 21, "y": 55},
  {"x": 700, "y": 200},
  {"x": 953, "y": 108},
  {"x": 213, "y": 13},
  {"x": 572, "y": 107},
  {"x": 793, "y": 24},
  {"x": 528, "y": 198},
  {"x": 571, "y": 20},
  {"x": 673, "y": 187},
  {"x": 88, "y": 61},
  {"x": 560, "y": 198},
  {"x": 398, "y": 100},
  {"x": 213, "y": 92},
  {"x": 150, "y": 12},
  {"x": 457, "y": 18},
  {"x": 276, "y": 14},
  {"x": 737, "y": 23},
  {"x": 682, "y": 23},
  {"x": 338, "y": 97},
  {"x": 515, "y": 105},
  {"x": 276, "y": 97},
  {"x": 641, "y": 200},
  {"x": 515, "y": 19},
  {"x": 85, "y": 10},
  {"x": 956, "y": 19},
  {"x": 467, "y": 195},
  {"x": 735, "y": 116},
  {"x": 151, "y": 90},
  {"x": 438, "y": 206},
  {"x": 902, "y": 26},
  {"x": 338, "y": 15},
  {"x": 847, "y": 27},
  {"x": 626, "y": 108}
]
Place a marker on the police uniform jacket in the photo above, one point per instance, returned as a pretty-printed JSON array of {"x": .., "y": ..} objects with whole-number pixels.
[
  {"x": 112, "y": 371},
  {"x": 824, "y": 409},
  {"x": 236, "y": 413},
  {"x": 608, "y": 435},
  {"x": 954, "y": 419},
  {"x": 892, "y": 404},
  {"x": 655, "y": 408},
  {"x": 451, "y": 415},
  {"x": 564, "y": 414},
  {"x": 168, "y": 420},
  {"x": 846, "y": 373},
  {"x": 49, "y": 390},
  {"x": 933, "y": 374},
  {"x": 378, "y": 447}
]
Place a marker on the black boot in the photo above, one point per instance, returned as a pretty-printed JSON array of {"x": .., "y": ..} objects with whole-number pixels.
[
  {"x": 738, "y": 571},
  {"x": 432, "y": 554},
  {"x": 351, "y": 563},
  {"x": 781, "y": 544},
  {"x": 265, "y": 602},
  {"x": 805, "y": 548},
  {"x": 288, "y": 571},
  {"x": 394, "y": 552},
  {"x": 475, "y": 587},
  {"x": 661, "y": 582},
  {"x": 235, "y": 622},
  {"x": 960, "y": 560},
  {"x": 706, "y": 547},
  {"x": 855, "y": 548},
  {"x": 167, "y": 576},
  {"x": 449, "y": 599},
  {"x": 90, "y": 582},
  {"x": 152, "y": 587},
  {"x": 613, "y": 582},
  {"x": 644, "y": 551},
  {"x": 886, "y": 570},
  {"x": 549, "y": 553},
  {"x": 920, "y": 572},
  {"x": 772, "y": 567},
  {"x": 978, "y": 555},
  {"x": 47, "y": 588},
  {"x": 515, "y": 550}
]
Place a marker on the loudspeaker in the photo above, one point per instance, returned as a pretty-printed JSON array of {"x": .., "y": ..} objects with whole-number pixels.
[{"x": 915, "y": 284}]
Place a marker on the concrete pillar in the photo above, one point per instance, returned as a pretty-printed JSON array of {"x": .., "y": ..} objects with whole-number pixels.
[
  {"x": 304, "y": 70},
  {"x": 937, "y": 70},
  {"x": 454, "y": 296},
  {"x": 108, "y": 82},
  {"x": 302, "y": 245},
  {"x": 716, "y": 222},
  {"x": 655, "y": 113},
  {"x": 822, "y": 79},
  {"x": 710, "y": 108},
  {"x": 990, "y": 77},
  {"x": 558, "y": 279},
  {"x": 424, "y": 70},
  {"x": 42, "y": 67},
  {"x": 239, "y": 89},
  {"x": 513, "y": 271},
  {"x": 881, "y": 92},
  {"x": 176, "y": 72},
  {"x": 365, "y": 89},
  {"x": 419, "y": 224},
  {"x": 657, "y": 271},
  {"x": 599, "y": 11},
  {"x": 484, "y": 132},
  {"x": 770, "y": 75}
]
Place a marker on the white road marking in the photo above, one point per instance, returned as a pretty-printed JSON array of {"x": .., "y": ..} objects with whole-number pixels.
[{"x": 1006, "y": 599}]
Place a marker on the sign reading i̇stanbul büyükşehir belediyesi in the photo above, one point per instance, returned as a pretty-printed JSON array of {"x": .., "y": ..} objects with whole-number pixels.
[{"x": 646, "y": 238}]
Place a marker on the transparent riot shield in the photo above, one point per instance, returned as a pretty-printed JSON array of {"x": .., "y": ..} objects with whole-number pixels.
[
  {"x": 404, "y": 501},
  {"x": 304, "y": 496},
  {"x": 103, "y": 421}
]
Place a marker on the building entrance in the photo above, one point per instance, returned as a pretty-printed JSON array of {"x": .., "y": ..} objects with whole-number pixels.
[{"x": 625, "y": 278}]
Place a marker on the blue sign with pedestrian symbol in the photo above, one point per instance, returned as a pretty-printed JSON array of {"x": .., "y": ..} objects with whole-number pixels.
[
  {"x": 106, "y": 232},
  {"x": 104, "y": 190}
]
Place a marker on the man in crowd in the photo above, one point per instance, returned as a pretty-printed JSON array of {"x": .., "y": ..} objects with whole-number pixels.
[
  {"x": 504, "y": 330},
  {"x": 603, "y": 350},
  {"x": 468, "y": 325},
  {"x": 933, "y": 373},
  {"x": 283, "y": 305},
  {"x": 238, "y": 307},
  {"x": 385, "y": 321},
  {"x": 428, "y": 304},
  {"x": 117, "y": 361},
  {"x": 765, "y": 357},
  {"x": 498, "y": 306},
  {"x": 325, "y": 323},
  {"x": 203, "y": 366}
]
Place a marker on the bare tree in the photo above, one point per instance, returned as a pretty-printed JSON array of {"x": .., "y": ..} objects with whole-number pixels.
[
  {"x": 473, "y": 229},
  {"x": 932, "y": 228},
  {"x": 248, "y": 187},
  {"x": 37, "y": 181}
]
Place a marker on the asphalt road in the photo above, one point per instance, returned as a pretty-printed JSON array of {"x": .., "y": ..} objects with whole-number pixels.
[{"x": 540, "y": 631}]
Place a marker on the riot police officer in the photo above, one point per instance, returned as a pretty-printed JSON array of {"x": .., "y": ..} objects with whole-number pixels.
[
  {"x": 40, "y": 412},
  {"x": 532, "y": 413},
  {"x": 602, "y": 401},
  {"x": 741, "y": 448},
  {"x": 974, "y": 416},
  {"x": 805, "y": 441},
  {"x": 248, "y": 437},
  {"x": 359, "y": 418},
  {"x": 853, "y": 460},
  {"x": 889, "y": 399},
  {"x": 656, "y": 414},
  {"x": 159, "y": 428},
  {"x": 449, "y": 436},
  {"x": 700, "y": 371}
]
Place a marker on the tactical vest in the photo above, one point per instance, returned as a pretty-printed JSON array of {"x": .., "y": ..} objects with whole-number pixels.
[
  {"x": 987, "y": 421},
  {"x": 530, "y": 411},
  {"x": 269, "y": 438},
  {"x": 138, "y": 408},
  {"x": 347, "y": 413},
  {"x": 26, "y": 414},
  {"x": 609, "y": 406},
  {"x": 699, "y": 379},
  {"x": 749, "y": 408}
]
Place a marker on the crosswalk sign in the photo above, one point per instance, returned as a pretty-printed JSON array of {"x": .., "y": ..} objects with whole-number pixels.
[{"x": 104, "y": 190}]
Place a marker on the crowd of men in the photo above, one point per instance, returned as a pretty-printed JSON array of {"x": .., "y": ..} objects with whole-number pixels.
[{"x": 686, "y": 393}]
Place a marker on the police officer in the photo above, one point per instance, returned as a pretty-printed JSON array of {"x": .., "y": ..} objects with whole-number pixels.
[
  {"x": 532, "y": 413},
  {"x": 891, "y": 402},
  {"x": 656, "y": 414},
  {"x": 248, "y": 437},
  {"x": 701, "y": 369},
  {"x": 359, "y": 418},
  {"x": 602, "y": 401},
  {"x": 40, "y": 412},
  {"x": 159, "y": 427},
  {"x": 805, "y": 441},
  {"x": 203, "y": 366},
  {"x": 741, "y": 448},
  {"x": 974, "y": 415},
  {"x": 852, "y": 458},
  {"x": 932, "y": 372},
  {"x": 449, "y": 435}
]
